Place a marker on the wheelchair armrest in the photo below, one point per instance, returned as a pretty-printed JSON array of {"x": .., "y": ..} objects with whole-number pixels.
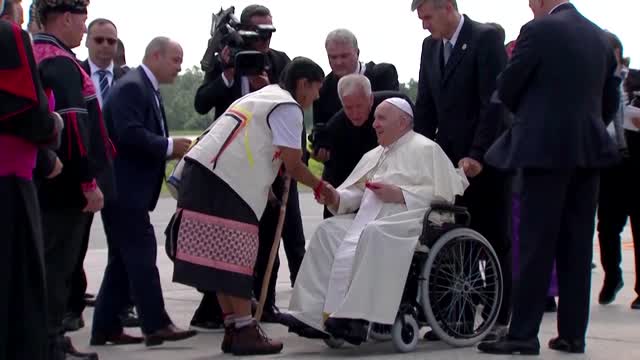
[{"x": 460, "y": 212}]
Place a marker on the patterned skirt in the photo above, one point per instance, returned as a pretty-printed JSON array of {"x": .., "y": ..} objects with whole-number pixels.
[{"x": 217, "y": 241}]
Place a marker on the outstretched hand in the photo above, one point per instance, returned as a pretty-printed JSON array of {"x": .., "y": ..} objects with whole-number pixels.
[
  {"x": 326, "y": 194},
  {"x": 386, "y": 192}
]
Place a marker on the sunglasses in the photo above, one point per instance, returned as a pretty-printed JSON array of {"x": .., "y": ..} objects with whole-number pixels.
[{"x": 99, "y": 40}]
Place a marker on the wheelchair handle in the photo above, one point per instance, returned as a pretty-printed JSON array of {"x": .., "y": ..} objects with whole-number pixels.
[{"x": 445, "y": 207}]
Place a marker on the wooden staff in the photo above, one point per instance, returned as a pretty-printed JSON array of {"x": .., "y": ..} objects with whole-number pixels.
[{"x": 274, "y": 248}]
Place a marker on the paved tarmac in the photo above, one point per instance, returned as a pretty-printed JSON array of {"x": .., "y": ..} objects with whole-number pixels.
[{"x": 614, "y": 331}]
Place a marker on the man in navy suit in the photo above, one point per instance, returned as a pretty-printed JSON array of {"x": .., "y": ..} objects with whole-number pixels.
[
  {"x": 561, "y": 85},
  {"x": 136, "y": 120}
]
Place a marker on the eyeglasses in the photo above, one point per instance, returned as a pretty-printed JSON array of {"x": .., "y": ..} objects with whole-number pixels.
[{"x": 99, "y": 40}]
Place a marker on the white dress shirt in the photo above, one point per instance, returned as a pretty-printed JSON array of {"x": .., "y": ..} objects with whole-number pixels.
[
  {"x": 156, "y": 86},
  {"x": 456, "y": 34},
  {"x": 95, "y": 77}
]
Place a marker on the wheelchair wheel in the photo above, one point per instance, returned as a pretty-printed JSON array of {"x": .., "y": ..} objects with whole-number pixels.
[
  {"x": 461, "y": 291},
  {"x": 405, "y": 333},
  {"x": 334, "y": 343}
]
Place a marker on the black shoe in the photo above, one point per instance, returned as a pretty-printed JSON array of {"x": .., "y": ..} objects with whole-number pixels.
[
  {"x": 509, "y": 346},
  {"x": 635, "y": 305},
  {"x": 72, "y": 354},
  {"x": 431, "y": 336},
  {"x": 352, "y": 331},
  {"x": 271, "y": 314},
  {"x": 129, "y": 319},
  {"x": 609, "y": 291},
  {"x": 72, "y": 322},
  {"x": 551, "y": 305},
  {"x": 207, "y": 326},
  {"x": 568, "y": 346},
  {"x": 301, "y": 329}
]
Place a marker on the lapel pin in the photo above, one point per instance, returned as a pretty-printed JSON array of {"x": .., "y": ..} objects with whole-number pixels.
[{"x": 464, "y": 46}]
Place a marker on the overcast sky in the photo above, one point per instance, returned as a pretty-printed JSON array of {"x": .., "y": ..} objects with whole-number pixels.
[{"x": 387, "y": 30}]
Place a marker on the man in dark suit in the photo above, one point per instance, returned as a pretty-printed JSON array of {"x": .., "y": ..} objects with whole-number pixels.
[
  {"x": 221, "y": 87},
  {"x": 135, "y": 117},
  {"x": 101, "y": 37},
  {"x": 460, "y": 63},
  {"x": 343, "y": 53},
  {"x": 349, "y": 134},
  {"x": 558, "y": 139}
]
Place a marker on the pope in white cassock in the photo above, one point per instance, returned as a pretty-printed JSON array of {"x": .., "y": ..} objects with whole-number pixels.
[{"x": 357, "y": 262}]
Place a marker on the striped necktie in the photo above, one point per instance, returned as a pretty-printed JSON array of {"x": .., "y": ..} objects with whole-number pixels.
[{"x": 104, "y": 84}]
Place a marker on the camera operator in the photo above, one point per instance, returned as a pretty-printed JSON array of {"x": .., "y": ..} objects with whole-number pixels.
[{"x": 221, "y": 87}]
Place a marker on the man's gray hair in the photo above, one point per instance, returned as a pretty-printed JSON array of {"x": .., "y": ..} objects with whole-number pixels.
[
  {"x": 436, "y": 3},
  {"x": 342, "y": 36},
  {"x": 353, "y": 83},
  {"x": 158, "y": 44}
]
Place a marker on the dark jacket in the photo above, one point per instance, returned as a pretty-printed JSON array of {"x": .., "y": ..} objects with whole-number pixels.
[
  {"x": 134, "y": 121},
  {"x": 453, "y": 104},
  {"x": 562, "y": 88}
]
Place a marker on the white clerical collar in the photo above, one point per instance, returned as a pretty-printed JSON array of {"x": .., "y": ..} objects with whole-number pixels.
[
  {"x": 557, "y": 6},
  {"x": 401, "y": 140},
  {"x": 456, "y": 34},
  {"x": 95, "y": 68},
  {"x": 151, "y": 77}
]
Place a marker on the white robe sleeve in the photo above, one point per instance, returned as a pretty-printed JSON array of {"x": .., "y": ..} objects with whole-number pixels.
[
  {"x": 350, "y": 200},
  {"x": 415, "y": 202}
]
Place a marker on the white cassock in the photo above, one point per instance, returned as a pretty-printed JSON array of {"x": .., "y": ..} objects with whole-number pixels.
[{"x": 357, "y": 262}]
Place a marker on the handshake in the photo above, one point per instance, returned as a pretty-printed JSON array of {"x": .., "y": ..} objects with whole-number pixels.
[{"x": 326, "y": 194}]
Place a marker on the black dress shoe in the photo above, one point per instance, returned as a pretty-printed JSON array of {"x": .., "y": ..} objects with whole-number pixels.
[
  {"x": 169, "y": 333},
  {"x": 71, "y": 353},
  {"x": 207, "y": 326},
  {"x": 271, "y": 314},
  {"x": 301, "y": 329},
  {"x": 352, "y": 331},
  {"x": 568, "y": 346},
  {"x": 635, "y": 305},
  {"x": 122, "y": 339},
  {"x": 508, "y": 346},
  {"x": 609, "y": 291}
]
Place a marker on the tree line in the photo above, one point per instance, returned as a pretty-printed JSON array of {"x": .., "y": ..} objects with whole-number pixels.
[{"x": 179, "y": 97}]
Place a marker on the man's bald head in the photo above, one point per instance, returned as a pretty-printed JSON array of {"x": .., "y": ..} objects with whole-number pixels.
[{"x": 163, "y": 57}]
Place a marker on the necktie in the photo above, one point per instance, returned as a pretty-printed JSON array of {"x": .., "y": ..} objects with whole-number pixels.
[
  {"x": 161, "y": 108},
  {"x": 448, "y": 48},
  {"x": 104, "y": 84}
]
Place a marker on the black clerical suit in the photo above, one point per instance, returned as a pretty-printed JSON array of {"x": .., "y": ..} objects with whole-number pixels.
[
  {"x": 560, "y": 94},
  {"x": 382, "y": 76},
  {"x": 214, "y": 93},
  {"x": 347, "y": 143},
  {"x": 453, "y": 108}
]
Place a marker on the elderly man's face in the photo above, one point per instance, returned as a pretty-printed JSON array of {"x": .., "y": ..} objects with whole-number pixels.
[
  {"x": 537, "y": 7},
  {"x": 357, "y": 107},
  {"x": 169, "y": 63},
  {"x": 343, "y": 57},
  {"x": 388, "y": 124}
]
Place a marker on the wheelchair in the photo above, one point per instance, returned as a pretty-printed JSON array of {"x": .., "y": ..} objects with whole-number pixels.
[{"x": 454, "y": 286}]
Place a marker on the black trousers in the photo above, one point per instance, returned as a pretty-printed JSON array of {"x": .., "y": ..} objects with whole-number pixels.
[
  {"x": 63, "y": 236},
  {"x": 23, "y": 308},
  {"x": 76, "y": 302},
  {"x": 131, "y": 272},
  {"x": 620, "y": 199},
  {"x": 557, "y": 223},
  {"x": 488, "y": 199},
  {"x": 294, "y": 246}
]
